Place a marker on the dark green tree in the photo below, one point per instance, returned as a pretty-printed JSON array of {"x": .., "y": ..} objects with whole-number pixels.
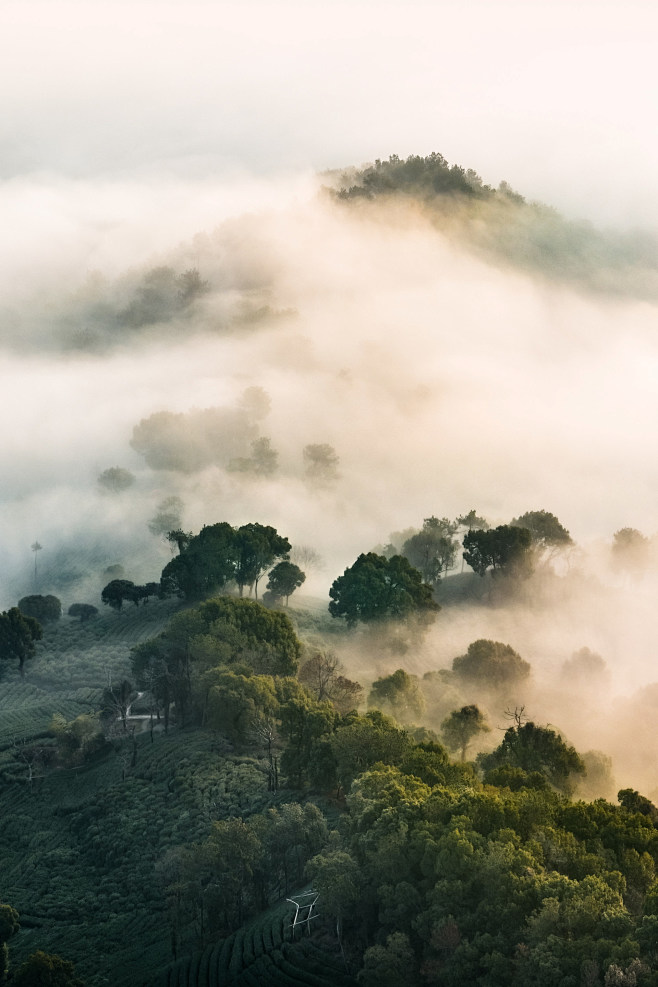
[
  {"x": 45, "y": 609},
  {"x": 9, "y": 925},
  {"x": 18, "y": 636},
  {"x": 537, "y": 749},
  {"x": 84, "y": 611},
  {"x": 117, "y": 591},
  {"x": 45, "y": 970},
  {"x": 505, "y": 550},
  {"x": 376, "y": 588},
  {"x": 205, "y": 565},
  {"x": 547, "y": 532},
  {"x": 284, "y": 579},
  {"x": 257, "y": 548}
]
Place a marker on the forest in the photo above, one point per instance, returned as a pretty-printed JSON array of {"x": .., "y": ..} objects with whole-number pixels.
[{"x": 251, "y": 735}]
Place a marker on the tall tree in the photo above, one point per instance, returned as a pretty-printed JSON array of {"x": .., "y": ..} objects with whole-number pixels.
[
  {"x": 461, "y": 727},
  {"x": 433, "y": 549},
  {"x": 257, "y": 547}
]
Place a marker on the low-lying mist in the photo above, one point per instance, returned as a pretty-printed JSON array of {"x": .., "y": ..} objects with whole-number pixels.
[{"x": 441, "y": 381}]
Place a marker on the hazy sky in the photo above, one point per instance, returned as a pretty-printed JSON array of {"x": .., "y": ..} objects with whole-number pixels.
[{"x": 558, "y": 98}]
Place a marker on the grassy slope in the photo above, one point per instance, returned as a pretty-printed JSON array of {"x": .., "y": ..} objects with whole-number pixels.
[{"x": 78, "y": 851}]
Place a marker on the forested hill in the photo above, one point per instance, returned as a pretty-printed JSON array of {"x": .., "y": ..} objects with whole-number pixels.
[{"x": 502, "y": 225}]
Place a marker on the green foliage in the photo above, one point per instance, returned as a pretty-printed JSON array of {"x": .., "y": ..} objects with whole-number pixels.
[
  {"x": 398, "y": 694},
  {"x": 461, "y": 727},
  {"x": 423, "y": 176},
  {"x": 220, "y": 554},
  {"x": 284, "y": 579},
  {"x": 532, "y": 748},
  {"x": 42, "y": 608},
  {"x": 46, "y": 970},
  {"x": 365, "y": 741},
  {"x": 18, "y": 637},
  {"x": 505, "y": 550},
  {"x": 376, "y": 588},
  {"x": 433, "y": 549},
  {"x": 545, "y": 529},
  {"x": 238, "y": 704},
  {"x": 491, "y": 664}
]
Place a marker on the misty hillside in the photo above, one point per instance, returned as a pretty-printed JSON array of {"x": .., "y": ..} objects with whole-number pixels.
[{"x": 505, "y": 228}]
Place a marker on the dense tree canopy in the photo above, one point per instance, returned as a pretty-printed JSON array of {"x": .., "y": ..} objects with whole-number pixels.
[
  {"x": 505, "y": 550},
  {"x": 221, "y": 554},
  {"x": 537, "y": 749},
  {"x": 376, "y": 588}
]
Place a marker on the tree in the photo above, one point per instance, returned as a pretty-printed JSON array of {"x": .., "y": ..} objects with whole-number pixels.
[
  {"x": 264, "y": 460},
  {"x": 492, "y": 664},
  {"x": 461, "y": 727},
  {"x": 399, "y": 695},
  {"x": 537, "y": 749},
  {"x": 360, "y": 744},
  {"x": 545, "y": 529},
  {"x": 284, "y": 579},
  {"x": 179, "y": 538},
  {"x": 9, "y": 925},
  {"x": 191, "y": 286},
  {"x": 239, "y": 704},
  {"x": 116, "y": 479},
  {"x": 505, "y": 550},
  {"x": 257, "y": 547},
  {"x": 85, "y": 611},
  {"x": 205, "y": 565},
  {"x": 116, "y": 702},
  {"x": 472, "y": 520},
  {"x": 18, "y": 635},
  {"x": 432, "y": 550},
  {"x": 167, "y": 517},
  {"x": 116, "y": 591},
  {"x": 320, "y": 463},
  {"x": 322, "y": 675},
  {"x": 389, "y": 965},
  {"x": 36, "y": 547},
  {"x": 45, "y": 970},
  {"x": 45, "y": 609},
  {"x": 630, "y": 550},
  {"x": 376, "y": 588}
]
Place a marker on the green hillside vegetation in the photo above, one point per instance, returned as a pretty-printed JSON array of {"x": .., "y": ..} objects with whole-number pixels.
[
  {"x": 177, "y": 772},
  {"x": 504, "y": 227}
]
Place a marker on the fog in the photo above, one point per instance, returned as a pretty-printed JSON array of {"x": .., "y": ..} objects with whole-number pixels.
[{"x": 482, "y": 357}]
